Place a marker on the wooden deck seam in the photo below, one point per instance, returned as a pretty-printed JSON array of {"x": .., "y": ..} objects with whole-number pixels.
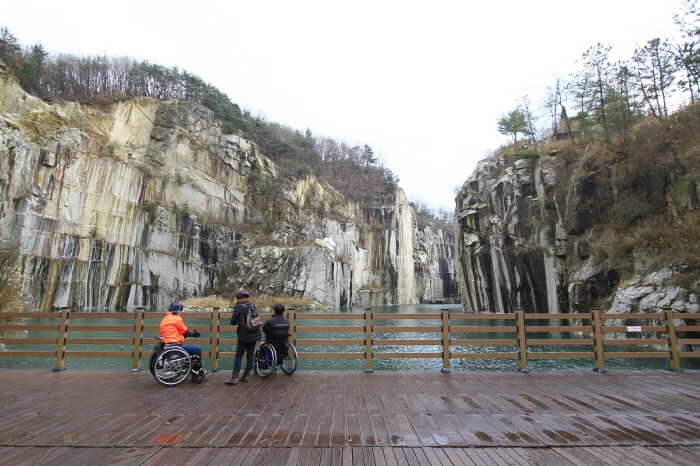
[{"x": 224, "y": 447}]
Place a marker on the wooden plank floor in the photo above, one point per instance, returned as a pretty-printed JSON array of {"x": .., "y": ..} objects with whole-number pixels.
[
  {"x": 385, "y": 418},
  {"x": 363, "y": 456}
]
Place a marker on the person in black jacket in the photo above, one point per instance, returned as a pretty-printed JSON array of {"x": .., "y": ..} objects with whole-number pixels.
[
  {"x": 245, "y": 316},
  {"x": 276, "y": 331}
]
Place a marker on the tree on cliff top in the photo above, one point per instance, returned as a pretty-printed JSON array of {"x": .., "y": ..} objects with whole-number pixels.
[
  {"x": 355, "y": 171},
  {"x": 654, "y": 69},
  {"x": 513, "y": 123},
  {"x": 529, "y": 118},
  {"x": 687, "y": 52},
  {"x": 9, "y": 47},
  {"x": 593, "y": 82}
]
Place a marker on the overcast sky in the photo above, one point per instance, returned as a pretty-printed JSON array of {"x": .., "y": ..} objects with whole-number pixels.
[{"x": 423, "y": 83}]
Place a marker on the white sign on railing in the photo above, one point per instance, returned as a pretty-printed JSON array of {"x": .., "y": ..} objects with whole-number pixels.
[{"x": 634, "y": 329}]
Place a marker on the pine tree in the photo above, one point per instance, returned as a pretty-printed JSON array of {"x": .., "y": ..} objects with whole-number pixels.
[
  {"x": 513, "y": 123},
  {"x": 593, "y": 83},
  {"x": 687, "y": 52},
  {"x": 30, "y": 75},
  {"x": 367, "y": 157},
  {"x": 10, "y": 50},
  {"x": 623, "y": 106},
  {"x": 654, "y": 74}
]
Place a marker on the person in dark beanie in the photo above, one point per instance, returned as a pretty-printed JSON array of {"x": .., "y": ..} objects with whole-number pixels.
[
  {"x": 276, "y": 330},
  {"x": 246, "y": 317}
]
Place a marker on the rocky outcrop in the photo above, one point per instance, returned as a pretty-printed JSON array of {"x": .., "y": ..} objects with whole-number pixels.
[
  {"x": 122, "y": 206},
  {"x": 143, "y": 201},
  {"x": 649, "y": 294},
  {"x": 509, "y": 240},
  {"x": 341, "y": 263},
  {"x": 525, "y": 227}
]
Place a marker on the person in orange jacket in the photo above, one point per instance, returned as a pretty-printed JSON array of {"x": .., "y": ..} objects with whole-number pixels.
[{"x": 174, "y": 330}]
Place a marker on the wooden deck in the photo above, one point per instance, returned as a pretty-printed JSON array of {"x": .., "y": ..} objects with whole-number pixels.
[
  {"x": 391, "y": 418},
  {"x": 365, "y": 456}
]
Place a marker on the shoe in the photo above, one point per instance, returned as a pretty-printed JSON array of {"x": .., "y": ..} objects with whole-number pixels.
[
  {"x": 244, "y": 377},
  {"x": 233, "y": 380}
]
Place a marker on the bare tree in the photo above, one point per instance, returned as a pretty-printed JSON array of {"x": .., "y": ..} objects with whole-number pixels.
[
  {"x": 529, "y": 118},
  {"x": 555, "y": 105}
]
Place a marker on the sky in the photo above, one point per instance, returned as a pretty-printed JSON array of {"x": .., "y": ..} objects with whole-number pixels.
[{"x": 422, "y": 82}]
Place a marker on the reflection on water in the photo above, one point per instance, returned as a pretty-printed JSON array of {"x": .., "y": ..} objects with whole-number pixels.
[{"x": 419, "y": 364}]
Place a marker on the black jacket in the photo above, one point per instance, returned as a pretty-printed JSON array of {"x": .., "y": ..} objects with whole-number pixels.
[
  {"x": 244, "y": 334},
  {"x": 276, "y": 328}
]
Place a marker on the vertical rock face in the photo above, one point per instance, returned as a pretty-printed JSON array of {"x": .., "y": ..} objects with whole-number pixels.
[
  {"x": 436, "y": 263},
  {"x": 144, "y": 201},
  {"x": 120, "y": 207},
  {"x": 346, "y": 264},
  {"x": 508, "y": 239},
  {"x": 523, "y": 233},
  {"x": 368, "y": 261}
]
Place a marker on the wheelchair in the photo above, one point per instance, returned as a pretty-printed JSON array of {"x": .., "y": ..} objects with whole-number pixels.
[
  {"x": 268, "y": 358},
  {"x": 171, "y": 365}
]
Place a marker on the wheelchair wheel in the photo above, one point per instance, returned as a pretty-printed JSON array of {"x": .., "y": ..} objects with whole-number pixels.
[
  {"x": 152, "y": 363},
  {"x": 172, "y": 366},
  {"x": 289, "y": 362},
  {"x": 265, "y": 360}
]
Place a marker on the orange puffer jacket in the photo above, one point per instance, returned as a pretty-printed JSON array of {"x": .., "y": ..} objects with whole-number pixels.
[{"x": 172, "y": 328}]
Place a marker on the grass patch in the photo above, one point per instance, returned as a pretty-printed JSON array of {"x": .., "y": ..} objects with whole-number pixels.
[
  {"x": 652, "y": 244},
  {"x": 261, "y": 302}
]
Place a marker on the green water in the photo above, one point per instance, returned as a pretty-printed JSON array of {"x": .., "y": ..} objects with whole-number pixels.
[{"x": 349, "y": 364}]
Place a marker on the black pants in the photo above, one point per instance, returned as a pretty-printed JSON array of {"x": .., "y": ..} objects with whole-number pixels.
[
  {"x": 281, "y": 347},
  {"x": 249, "y": 350}
]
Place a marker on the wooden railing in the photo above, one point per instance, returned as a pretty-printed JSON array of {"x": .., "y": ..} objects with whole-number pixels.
[{"x": 587, "y": 331}]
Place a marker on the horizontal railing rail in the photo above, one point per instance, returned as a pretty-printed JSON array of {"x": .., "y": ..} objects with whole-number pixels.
[{"x": 453, "y": 336}]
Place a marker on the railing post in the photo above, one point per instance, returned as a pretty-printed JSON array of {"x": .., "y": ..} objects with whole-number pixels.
[
  {"x": 138, "y": 340},
  {"x": 61, "y": 341},
  {"x": 598, "y": 348},
  {"x": 445, "y": 317},
  {"x": 369, "y": 366},
  {"x": 672, "y": 341},
  {"x": 292, "y": 318},
  {"x": 522, "y": 340},
  {"x": 214, "y": 342}
]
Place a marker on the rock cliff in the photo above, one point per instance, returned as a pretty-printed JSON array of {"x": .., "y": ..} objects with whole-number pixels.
[
  {"x": 540, "y": 232},
  {"x": 142, "y": 201},
  {"x": 436, "y": 263}
]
